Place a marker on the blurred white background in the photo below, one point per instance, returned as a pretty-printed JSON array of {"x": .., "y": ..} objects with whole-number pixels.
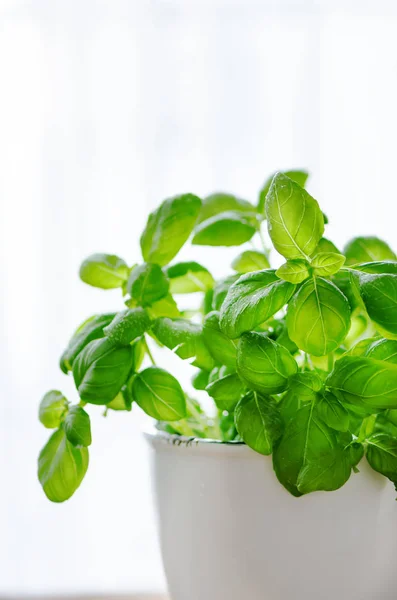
[{"x": 106, "y": 108}]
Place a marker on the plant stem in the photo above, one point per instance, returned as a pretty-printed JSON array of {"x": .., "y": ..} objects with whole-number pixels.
[{"x": 150, "y": 355}]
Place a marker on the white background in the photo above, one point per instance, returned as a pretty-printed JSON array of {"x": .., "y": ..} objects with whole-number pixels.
[{"x": 106, "y": 108}]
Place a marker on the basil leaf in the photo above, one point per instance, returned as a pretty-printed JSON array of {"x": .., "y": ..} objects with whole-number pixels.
[
  {"x": 147, "y": 284},
  {"x": 258, "y": 422},
  {"x": 159, "y": 394},
  {"x": 294, "y": 271},
  {"x": 305, "y": 385},
  {"x": 379, "y": 293},
  {"x": 299, "y": 176},
  {"x": 327, "y": 263},
  {"x": 333, "y": 413},
  {"x": 105, "y": 271},
  {"x": 379, "y": 267},
  {"x": 318, "y": 317},
  {"x": 100, "y": 371},
  {"x": 222, "y": 348},
  {"x": 367, "y": 249},
  {"x": 226, "y": 391},
  {"x": 295, "y": 221},
  {"x": 200, "y": 380},
  {"x": 127, "y": 326},
  {"x": 360, "y": 349},
  {"x": 138, "y": 348},
  {"x": 382, "y": 349},
  {"x": 61, "y": 467},
  {"x": 325, "y": 245},
  {"x": 221, "y": 289},
  {"x": 185, "y": 338},
  {"x": 91, "y": 329},
  {"x": 347, "y": 282},
  {"x": 123, "y": 400},
  {"x": 166, "y": 307},
  {"x": 250, "y": 260},
  {"x": 189, "y": 277},
  {"x": 220, "y": 202},
  {"x": 364, "y": 381},
  {"x": 230, "y": 228},
  {"x": 252, "y": 300},
  {"x": 77, "y": 426},
  {"x": 263, "y": 364},
  {"x": 169, "y": 227},
  {"x": 52, "y": 409},
  {"x": 382, "y": 455},
  {"x": 309, "y": 457}
]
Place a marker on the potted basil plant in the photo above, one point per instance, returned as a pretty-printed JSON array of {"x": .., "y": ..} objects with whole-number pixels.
[{"x": 300, "y": 364}]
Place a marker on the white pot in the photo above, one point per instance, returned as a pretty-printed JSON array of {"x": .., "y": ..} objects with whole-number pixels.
[{"x": 230, "y": 531}]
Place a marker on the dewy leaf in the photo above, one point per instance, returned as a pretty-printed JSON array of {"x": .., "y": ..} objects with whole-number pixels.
[
  {"x": 250, "y": 260},
  {"x": 318, "y": 317},
  {"x": 382, "y": 349},
  {"x": 222, "y": 348},
  {"x": 77, "y": 426},
  {"x": 61, "y": 467},
  {"x": 294, "y": 271},
  {"x": 263, "y": 364},
  {"x": 231, "y": 228},
  {"x": 295, "y": 221},
  {"x": 159, "y": 394},
  {"x": 327, "y": 263},
  {"x": 299, "y": 176},
  {"x": 169, "y": 227},
  {"x": 188, "y": 277},
  {"x": 258, "y": 422},
  {"x": 221, "y": 202},
  {"x": 105, "y": 271},
  {"x": 127, "y": 326},
  {"x": 252, "y": 300},
  {"x": 367, "y": 249},
  {"x": 309, "y": 457},
  {"x": 382, "y": 455},
  {"x": 53, "y": 408},
  {"x": 226, "y": 391},
  {"x": 379, "y": 293},
  {"x": 166, "y": 307},
  {"x": 91, "y": 329},
  {"x": 147, "y": 284},
  {"x": 101, "y": 369},
  {"x": 185, "y": 338},
  {"x": 332, "y": 412},
  {"x": 364, "y": 381},
  {"x": 221, "y": 289}
]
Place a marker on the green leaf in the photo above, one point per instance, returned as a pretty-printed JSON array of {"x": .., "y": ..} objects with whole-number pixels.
[
  {"x": 226, "y": 391},
  {"x": 367, "y": 249},
  {"x": 250, "y": 260},
  {"x": 147, "y": 284},
  {"x": 77, "y": 426},
  {"x": 100, "y": 371},
  {"x": 127, "y": 326},
  {"x": 123, "y": 400},
  {"x": 305, "y": 385},
  {"x": 252, "y": 300},
  {"x": 222, "y": 348},
  {"x": 220, "y": 202},
  {"x": 61, "y": 467},
  {"x": 347, "y": 282},
  {"x": 52, "y": 409},
  {"x": 318, "y": 317},
  {"x": 159, "y": 394},
  {"x": 379, "y": 293},
  {"x": 169, "y": 227},
  {"x": 221, "y": 289},
  {"x": 258, "y": 422},
  {"x": 295, "y": 221},
  {"x": 200, "y": 380},
  {"x": 327, "y": 263},
  {"x": 231, "y": 228},
  {"x": 382, "y": 349},
  {"x": 379, "y": 267},
  {"x": 360, "y": 349},
  {"x": 104, "y": 271},
  {"x": 185, "y": 338},
  {"x": 382, "y": 455},
  {"x": 294, "y": 271},
  {"x": 263, "y": 364},
  {"x": 309, "y": 457},
  {"x": 138, "y": 353},
  {"x": 299, "y": 176},
  {"x": 91, "y": 329},
  {"x": 166, "y": 307},
  {"x": 325, "y": 245},
  {"x": 365, "y": 381},
  {"x": 189, "y": 277},
  {"x": 332, "y": 412}
]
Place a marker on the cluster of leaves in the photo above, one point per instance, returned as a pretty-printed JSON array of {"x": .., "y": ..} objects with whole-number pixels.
[{"x": 301, "y": 362}]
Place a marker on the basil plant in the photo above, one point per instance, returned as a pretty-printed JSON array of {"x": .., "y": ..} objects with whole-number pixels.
[{"x": 300, "y": 362}]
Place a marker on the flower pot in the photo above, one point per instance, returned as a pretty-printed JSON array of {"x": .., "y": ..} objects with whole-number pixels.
[{"x": 230, "y": 531}]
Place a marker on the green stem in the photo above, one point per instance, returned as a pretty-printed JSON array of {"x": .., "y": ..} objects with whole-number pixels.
[
  {"x": 331, "y": 360},
  {"x": 150, "y": 355}
]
